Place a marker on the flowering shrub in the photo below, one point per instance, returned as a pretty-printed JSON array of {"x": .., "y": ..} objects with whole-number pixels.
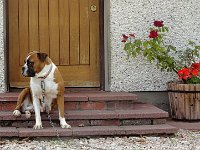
[
  {"x": 191, "y": 74},
  {"x": 166, "y": 57}
]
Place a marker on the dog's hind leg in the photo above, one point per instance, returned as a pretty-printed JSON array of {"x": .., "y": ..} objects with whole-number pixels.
[
  {"x": 27, "y": 107},
  {"x": 22, "y": 96}
]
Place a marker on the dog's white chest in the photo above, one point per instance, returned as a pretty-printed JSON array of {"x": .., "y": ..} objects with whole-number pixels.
[{"x": 46, "y": 86}]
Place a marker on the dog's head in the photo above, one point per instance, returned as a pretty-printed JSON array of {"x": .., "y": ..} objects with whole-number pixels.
[{"x": 34, "y": 63}]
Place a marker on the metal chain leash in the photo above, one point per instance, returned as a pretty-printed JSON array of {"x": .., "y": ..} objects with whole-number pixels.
[
  {"x": 52, "y": 124},
  {"x": 43, "y": 90},
  {"x": 49, "y": 117}
]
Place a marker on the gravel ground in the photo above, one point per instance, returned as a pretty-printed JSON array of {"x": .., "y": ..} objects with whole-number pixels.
[{"x": 183, "y": 140}]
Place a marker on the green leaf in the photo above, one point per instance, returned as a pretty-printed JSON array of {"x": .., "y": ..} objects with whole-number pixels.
[
  {"x": 191, "y": 43},
  {"x": 138, "y": 43},
  {"x": 197, "y": 47},
  {"x": 138, "y": 50},
  {"x": 166, "y": 29},
  {"x": 145, "y": 44},
  {"x": 193, "y": 80},
  {"x": 133, "y": 54},
  {"x": 163, "y": 29},
  {"x": 150, "y": 58},
  {"x": 154, "y": 41},
  {"x": 172, "y": 47},
  {"x": 146, "y": 52},
  {"x": 128, "y": 46}
]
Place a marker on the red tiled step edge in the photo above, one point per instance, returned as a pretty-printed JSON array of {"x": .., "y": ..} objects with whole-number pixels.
[
  {"x": 70, "y": 105},
  {"x": 82, "y": 96},
  {"x": 82, "y": 100},
  {"x": 88, "y": 131},
  {"x": 139, "y": 111},
  {"x": 9, "y": 132}
]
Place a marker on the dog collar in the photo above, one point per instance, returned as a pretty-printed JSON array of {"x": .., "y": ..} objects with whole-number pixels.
[{"x": 45, "y": 76}]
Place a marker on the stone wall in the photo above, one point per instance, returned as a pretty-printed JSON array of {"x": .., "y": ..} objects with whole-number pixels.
[
  {"x": 2, "y": 51},
  {"x": 136, "y": 16}
]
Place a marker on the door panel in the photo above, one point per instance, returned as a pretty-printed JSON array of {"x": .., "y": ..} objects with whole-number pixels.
[
  {"x": 84, "y": 33},
  {"x": 33, "y": 24},
  {"x": 67, "y": 30},
  {"x": 44, "y": 41},
  {"x": 64, "y": 35},
  {"x": 23, "y": 30}
]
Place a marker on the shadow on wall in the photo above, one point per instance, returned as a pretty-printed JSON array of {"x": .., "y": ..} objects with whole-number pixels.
[{"x": 158, "y": 99}]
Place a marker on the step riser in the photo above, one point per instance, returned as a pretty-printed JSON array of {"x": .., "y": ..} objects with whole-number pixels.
[
  {"x": 106, "y": 105},
  {"x": 82, "y": 123},
  {"x": 7, "y": 106},
  {"x": 89, "y": 105},
  {"x": 88, "y": 131}
]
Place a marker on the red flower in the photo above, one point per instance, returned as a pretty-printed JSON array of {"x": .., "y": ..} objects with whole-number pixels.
[
  {"x": 132, "y": 35},
  {"x": 187, "y": 73},
  {"x": 194, "y": 72},
  {"x": 124, "y": 38},
  {"x": 184, "y": 73},
  {"x": 196, "y": 66},
  {"x": 158, "y": 23},
  {"x": 153, "y": 34},
  {"x": 180, "y": 72}
]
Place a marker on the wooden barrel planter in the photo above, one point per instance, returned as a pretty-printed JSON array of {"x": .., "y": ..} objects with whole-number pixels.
[{"x": 184, "y": 100}]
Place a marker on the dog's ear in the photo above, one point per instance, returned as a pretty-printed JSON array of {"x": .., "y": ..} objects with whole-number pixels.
[{"x": 42, "y": 56}]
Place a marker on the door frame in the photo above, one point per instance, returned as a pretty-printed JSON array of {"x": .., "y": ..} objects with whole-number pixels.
[{"x": 103, "y": 61}]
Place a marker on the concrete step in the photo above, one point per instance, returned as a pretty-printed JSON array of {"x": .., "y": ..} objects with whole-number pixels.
[
  {"x": 88, "y": 131},
  {"x": 140, "y": 110},
  {"x": 89, "y": 114},
  {"x": 98, "y": 100},
  {"x": 142, "y": 114}
]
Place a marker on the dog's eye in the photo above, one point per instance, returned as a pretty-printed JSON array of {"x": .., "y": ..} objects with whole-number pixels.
[{"x": 30, "y": 63}]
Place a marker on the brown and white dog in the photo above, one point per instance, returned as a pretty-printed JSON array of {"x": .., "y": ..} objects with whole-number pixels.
[{"x": 46, "y": 89}]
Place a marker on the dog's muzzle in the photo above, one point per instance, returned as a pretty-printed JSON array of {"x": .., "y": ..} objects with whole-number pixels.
[{"x": 28, "y": 72}]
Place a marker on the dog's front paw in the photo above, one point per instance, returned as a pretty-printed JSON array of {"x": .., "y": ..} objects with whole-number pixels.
[
  {"x": 16, "y": 113},
  {"x": 27, "y": 114},
  {"x": 65, "y": 126},
  {"x": 37, "y": 126}
]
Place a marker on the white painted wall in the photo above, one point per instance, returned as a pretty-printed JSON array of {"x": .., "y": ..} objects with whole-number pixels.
[{"x": 128, "y": 16}]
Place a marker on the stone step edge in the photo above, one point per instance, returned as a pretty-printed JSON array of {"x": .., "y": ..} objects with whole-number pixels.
[
  {"x": 83, "y": 123},
  {"x": 95, "y": 114},
  {"x": 82, "y": 96},
  {"x": 88, "y": 131}
]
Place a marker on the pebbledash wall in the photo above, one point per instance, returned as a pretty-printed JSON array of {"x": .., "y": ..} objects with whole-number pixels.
[
  {"x": 136, "y": 16},
  {"x": 2, "y": 50},
  {"x": 133, "y": 16}
]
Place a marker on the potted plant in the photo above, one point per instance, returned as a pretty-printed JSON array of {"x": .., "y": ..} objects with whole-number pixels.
[{"x": 184, "y": 94}]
